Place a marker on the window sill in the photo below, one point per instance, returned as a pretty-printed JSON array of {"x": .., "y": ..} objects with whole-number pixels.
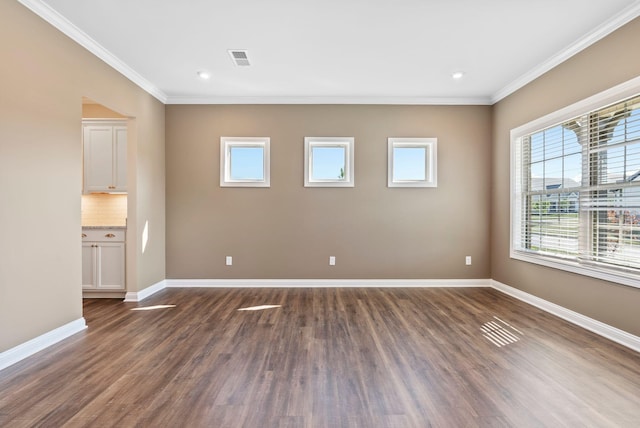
[{"x": 617, "y": 276}]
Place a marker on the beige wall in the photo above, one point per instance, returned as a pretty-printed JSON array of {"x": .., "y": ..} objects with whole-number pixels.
[
  {"x": 609, "y": 62},
  {"x": 90, "y": 109},
  {"x": 285, "y": 231},
  {"x": 288, "y": 231},
  {"x": 42, "y": 81}
]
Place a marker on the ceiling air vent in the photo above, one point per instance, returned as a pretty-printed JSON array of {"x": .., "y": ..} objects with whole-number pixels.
[{"x": 239, "y": 58}]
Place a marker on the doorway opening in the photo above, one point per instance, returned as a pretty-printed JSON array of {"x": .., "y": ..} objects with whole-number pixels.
[{"x": 104, "y": 203}]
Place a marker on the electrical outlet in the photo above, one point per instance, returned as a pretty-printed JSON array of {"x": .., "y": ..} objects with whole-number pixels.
[
  {"x": 467, "y": 260},
  {"x": 229, "y": 261},
  {"x": 332, "y": 260}
]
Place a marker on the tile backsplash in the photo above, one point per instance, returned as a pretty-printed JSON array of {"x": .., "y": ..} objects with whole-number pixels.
[{"x": 101, "y": 209}]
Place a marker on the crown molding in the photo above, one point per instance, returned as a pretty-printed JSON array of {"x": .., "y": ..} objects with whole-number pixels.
[
  {"x": 600, "y": 32},
  {"x": 61, "y": 23},
  {"x": 328, "y": 100},
  {"x": 58, "y": 21}
]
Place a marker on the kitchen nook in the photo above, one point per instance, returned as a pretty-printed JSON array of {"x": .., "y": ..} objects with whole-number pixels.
[{"x": 104, "y": 201}]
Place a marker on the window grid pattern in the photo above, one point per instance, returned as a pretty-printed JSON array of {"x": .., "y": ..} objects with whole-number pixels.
[
  {"x": 613, "y": 197},
  {"x": 553, "y": 163},
  {"x": 577, "y": 189}
]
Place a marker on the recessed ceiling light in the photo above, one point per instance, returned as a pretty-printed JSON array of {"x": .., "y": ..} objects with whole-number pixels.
[
  {"x": 457, "y": 75},
  {"x": 203, "y": 74}
]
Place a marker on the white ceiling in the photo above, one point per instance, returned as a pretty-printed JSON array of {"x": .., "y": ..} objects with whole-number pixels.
[{"x": 335, "y": 51}]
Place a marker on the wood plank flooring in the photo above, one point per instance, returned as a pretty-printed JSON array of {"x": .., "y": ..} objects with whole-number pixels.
[{"x": 324, "y": 358}]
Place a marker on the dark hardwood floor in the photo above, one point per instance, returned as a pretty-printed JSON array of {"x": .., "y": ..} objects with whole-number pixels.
[{"x": 324, "y": 358}]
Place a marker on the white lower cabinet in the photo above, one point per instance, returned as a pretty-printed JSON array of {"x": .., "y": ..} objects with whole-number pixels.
[{"x": 103, "y": 255}]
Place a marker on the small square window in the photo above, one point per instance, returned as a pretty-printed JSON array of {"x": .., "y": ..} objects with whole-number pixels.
[
  {"x": 412, "y": 162},
  {"x": 244, "y": 162},
  {"x": 328, "y": 162}
]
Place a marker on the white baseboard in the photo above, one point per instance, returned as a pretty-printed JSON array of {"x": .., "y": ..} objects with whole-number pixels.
[
  {"x": 136, "y": 296},
  {"x": 324, "y": 283},
  {"x": 133, "y": 296},
  {"x": 103, "y": 294},
  {"x": 600, "y": 328},
  {"x": 37, "y": 344}
]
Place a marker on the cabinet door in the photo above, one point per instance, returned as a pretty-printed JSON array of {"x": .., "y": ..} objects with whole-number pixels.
[
  {"x": 89, "y": 275},
  {"x": 120, "y": 158},
  {"x": 98, "y": 158},
  {"x": 110, "y": 258}
]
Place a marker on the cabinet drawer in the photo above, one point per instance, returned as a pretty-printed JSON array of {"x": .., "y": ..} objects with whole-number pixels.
[{"x": 103, "y": 235}]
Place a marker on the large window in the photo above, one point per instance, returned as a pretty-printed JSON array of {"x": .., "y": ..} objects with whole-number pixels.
[{"x": 576, "y": 189}]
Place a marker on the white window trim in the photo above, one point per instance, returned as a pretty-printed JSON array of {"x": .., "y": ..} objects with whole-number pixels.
[
  {"x": 349, "y": 174},
  {"x": 595, "y": 102},
  {"x": 226, "y": 143},
  {"x": 431, "y": 161}
]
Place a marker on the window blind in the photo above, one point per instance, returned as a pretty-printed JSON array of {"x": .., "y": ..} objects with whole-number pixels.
[
  {"x": 577, "y": 189},
  {"x": 612, "y": 198},
  {"x": 552, "y": 180}
]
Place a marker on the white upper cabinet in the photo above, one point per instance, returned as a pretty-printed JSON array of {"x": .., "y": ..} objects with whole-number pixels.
[{"x": 105, "y": 156}]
